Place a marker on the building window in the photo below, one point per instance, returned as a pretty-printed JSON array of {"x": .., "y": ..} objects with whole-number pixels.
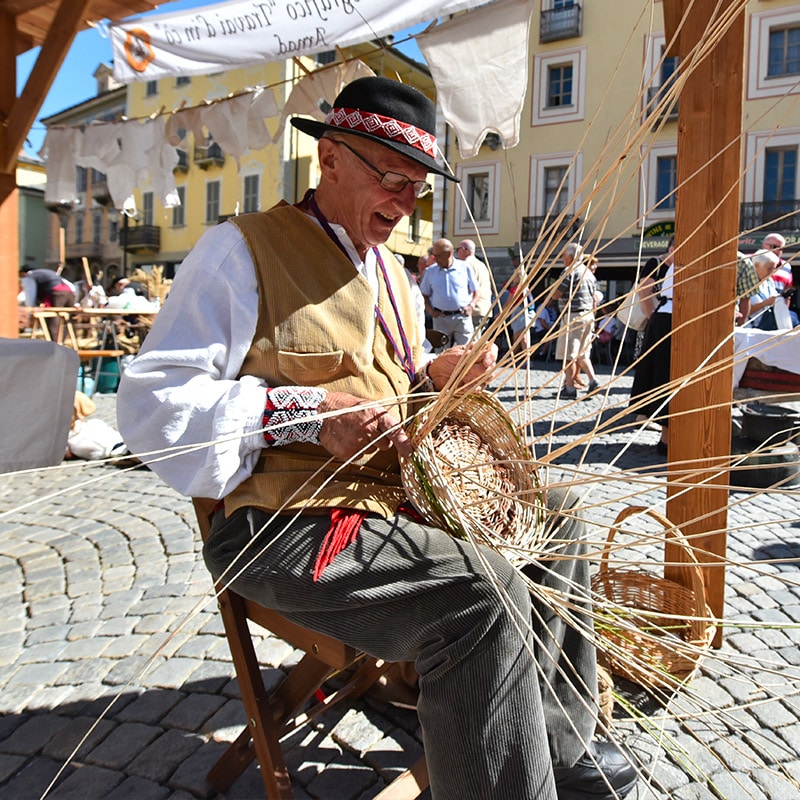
[
  {"x": 325, "y": 57},
  {"x": 78, "y": 227},
  {"x": 659, "y": 181},
  {"x": 147, "y": 208},
  {"x": 559, "y": 86},
  {"x": 780, "y": 179},
  {"x": 251, "y": 193},
  {"x": 773, "y": 53},
  {"x": 80, "y": 179},
  {"x": 97, "y": 225},
  {"x": 113, "y": 230},
  {"x": 182, "y": 80},
  {"x": 556, "y": 190},
  {"x": 666, "y": 182},
  {"x": 784, "y": 52},
  {"x": 179, "y": 211},
  {"x": 212, "y": 202},
  {"x": 480, "y": 200},
  {"x": 151, "y": 88}
]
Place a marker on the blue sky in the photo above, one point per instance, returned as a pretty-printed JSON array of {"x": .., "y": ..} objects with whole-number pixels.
[{"x": 74, "y": 81}]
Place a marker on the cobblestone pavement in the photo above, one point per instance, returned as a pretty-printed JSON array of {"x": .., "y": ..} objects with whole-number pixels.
[{"x": 107, "y": 627}]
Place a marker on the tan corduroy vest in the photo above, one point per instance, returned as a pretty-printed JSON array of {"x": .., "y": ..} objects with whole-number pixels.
[{"x": 315, "y": 327}]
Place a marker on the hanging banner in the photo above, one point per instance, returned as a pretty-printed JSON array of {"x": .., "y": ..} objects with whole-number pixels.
[{"x": 235, "y": 34}]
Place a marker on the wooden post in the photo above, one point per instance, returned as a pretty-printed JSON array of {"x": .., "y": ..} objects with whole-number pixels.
[
  {"x": 9, "y": 196},
  {"x": 709, "y": 165}
]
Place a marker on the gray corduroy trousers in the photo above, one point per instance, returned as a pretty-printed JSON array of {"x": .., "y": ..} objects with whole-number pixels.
[{"x": 493, "y": 722}]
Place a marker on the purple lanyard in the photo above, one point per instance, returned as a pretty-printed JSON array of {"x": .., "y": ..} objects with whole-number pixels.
[{"x": 404, "y": 356}]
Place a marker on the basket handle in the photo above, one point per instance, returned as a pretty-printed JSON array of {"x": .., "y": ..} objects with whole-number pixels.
[{"x": 691, "y": 568}]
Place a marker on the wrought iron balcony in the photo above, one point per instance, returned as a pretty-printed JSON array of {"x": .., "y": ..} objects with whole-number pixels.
[
  {"x": 775, "y": 215},
  {"x": 533, "y": 227},
  {"x": 560, "y": 23},
  {"x": 141, "y": 238},
  {"x": 183, "y": 162},
  {"x": 205, "y": 157},
  {"x": 655, "y": 96},
  {"x": 100, "y": 192}
]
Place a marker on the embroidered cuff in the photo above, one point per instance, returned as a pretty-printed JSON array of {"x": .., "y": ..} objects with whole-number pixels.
[
  {"x": 288, "y": 415},
  {"x": 423, "y": 383}
]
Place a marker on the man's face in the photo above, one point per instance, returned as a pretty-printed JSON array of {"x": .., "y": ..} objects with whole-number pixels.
[
  {"x": 776, "y": 245},
  {"x": 443, "y": 255},
  {"x": 356, "y": 200},
  {"x": 462, "y": 251}
]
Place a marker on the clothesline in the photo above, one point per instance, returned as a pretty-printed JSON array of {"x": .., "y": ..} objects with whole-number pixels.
[{"x": 479, "y": 68}]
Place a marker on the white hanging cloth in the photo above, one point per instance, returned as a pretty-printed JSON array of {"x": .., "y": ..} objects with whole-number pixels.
[
  {"x": 479, "y": 63},
  {"x": 314, "y": 93},
  {"x": 262, "y": 105},
  {"x": 227, "y": 122},
  {"x": 58, "y": 151}
]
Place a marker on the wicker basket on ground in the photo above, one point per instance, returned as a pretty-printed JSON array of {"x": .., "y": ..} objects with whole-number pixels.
[{"x": 652, "y": 630}]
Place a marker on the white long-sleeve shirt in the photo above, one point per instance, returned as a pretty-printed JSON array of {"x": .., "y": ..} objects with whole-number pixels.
[{"x": 182, "y": 388}]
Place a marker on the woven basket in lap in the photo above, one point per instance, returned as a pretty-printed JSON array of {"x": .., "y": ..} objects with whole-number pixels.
[
  {"x": 473, "y": 476},
  {"x": 653, "y": 631}
]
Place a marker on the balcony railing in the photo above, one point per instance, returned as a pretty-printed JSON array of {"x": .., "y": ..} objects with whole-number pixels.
[
  {"x": 205, "y": 157},
  {"x": 532, "y": 227},
  {"x": 84, "y": 250},
  {"x": 655, "y": 95},
  {"x": 560, "y": 23},
  {"x": 777, "y": 215},
  {"x": 183, "y": 162},
  {"x": 141, "y": 237},
  {"x": 100, "y": 192}
]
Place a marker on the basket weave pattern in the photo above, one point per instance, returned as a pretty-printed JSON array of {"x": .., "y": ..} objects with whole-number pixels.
[
  {"x": 471, "y": 475},
  {"x": 652, "y": 630}
]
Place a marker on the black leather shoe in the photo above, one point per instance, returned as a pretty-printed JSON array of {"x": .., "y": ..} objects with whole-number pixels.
[{"x": 584, "y": 779}]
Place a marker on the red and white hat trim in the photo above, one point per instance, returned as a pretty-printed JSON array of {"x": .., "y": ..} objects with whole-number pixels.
[{"x": 384, "y": 127}]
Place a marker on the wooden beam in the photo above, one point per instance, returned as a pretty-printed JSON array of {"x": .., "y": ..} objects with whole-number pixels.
[
  {"x": 68, "y": 20},
  {"x": 9, "y": 196},
  {"x": 673, "y": 14},
  {"x": 709, "y": 166}
]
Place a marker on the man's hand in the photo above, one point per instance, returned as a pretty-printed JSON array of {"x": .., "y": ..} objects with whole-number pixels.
[
  {"x": 359, "y": 430},
  {"x": 479, "y": 374}
]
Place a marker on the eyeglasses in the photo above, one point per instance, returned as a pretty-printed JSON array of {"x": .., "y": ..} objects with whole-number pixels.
[
  {"x": 391, "y": 181},
  {"x": 774, "y": 246}
]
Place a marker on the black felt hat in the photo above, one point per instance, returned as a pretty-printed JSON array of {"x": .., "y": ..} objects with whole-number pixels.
[{"x": 384, "y": 111}]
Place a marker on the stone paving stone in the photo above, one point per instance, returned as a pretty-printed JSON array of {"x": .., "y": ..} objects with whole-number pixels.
[
  {"x": 9, "y": 765},
  {"x": 48, "y": 651},
  {"x": 60, "y": 747},
  {"x": 129, "y": 670},
  {"x": 735, "y": 785},
  {"x": 193, "y": 712},
  {"x": 86, "y": 648},
  {"x": 173, "y": 673},
  {"x": 165, "y": 755},
  {"x": 34, "y": 734},
  {"x": 227, "y": 723},
  {"x": 125, "y": 645},
  {"x": 191, "y": 775},
  {"x": 150, "y": 706},
  {"x": 135, "y": 788},
  {"x": 122, "y": 745},
  {"x": 772, "y": 715},
  {"x": 358, "y": 730},
  {"x": 344, "y": 777},
  {"x": 393, "y": 754},
  {"x": 89, "y": 782},
  {"x": 33, "y": 779}
]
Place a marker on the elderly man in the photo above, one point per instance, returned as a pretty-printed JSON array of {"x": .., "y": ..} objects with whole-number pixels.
[
  {"x": 574, "y": 344},
  {"x": 450, "y": 290},
  {"x": 483, "y": 305},
  {"x": 287, "y": 349}
]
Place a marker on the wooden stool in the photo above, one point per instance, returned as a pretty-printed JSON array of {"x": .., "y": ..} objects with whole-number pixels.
[{"x": 272, "y": 715}]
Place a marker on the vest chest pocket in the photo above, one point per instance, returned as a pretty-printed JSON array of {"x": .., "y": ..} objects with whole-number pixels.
[{"x": 309, "y": 369}]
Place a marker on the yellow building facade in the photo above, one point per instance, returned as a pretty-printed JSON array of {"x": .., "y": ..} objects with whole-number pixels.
[{"x": 593, "y": 145}]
